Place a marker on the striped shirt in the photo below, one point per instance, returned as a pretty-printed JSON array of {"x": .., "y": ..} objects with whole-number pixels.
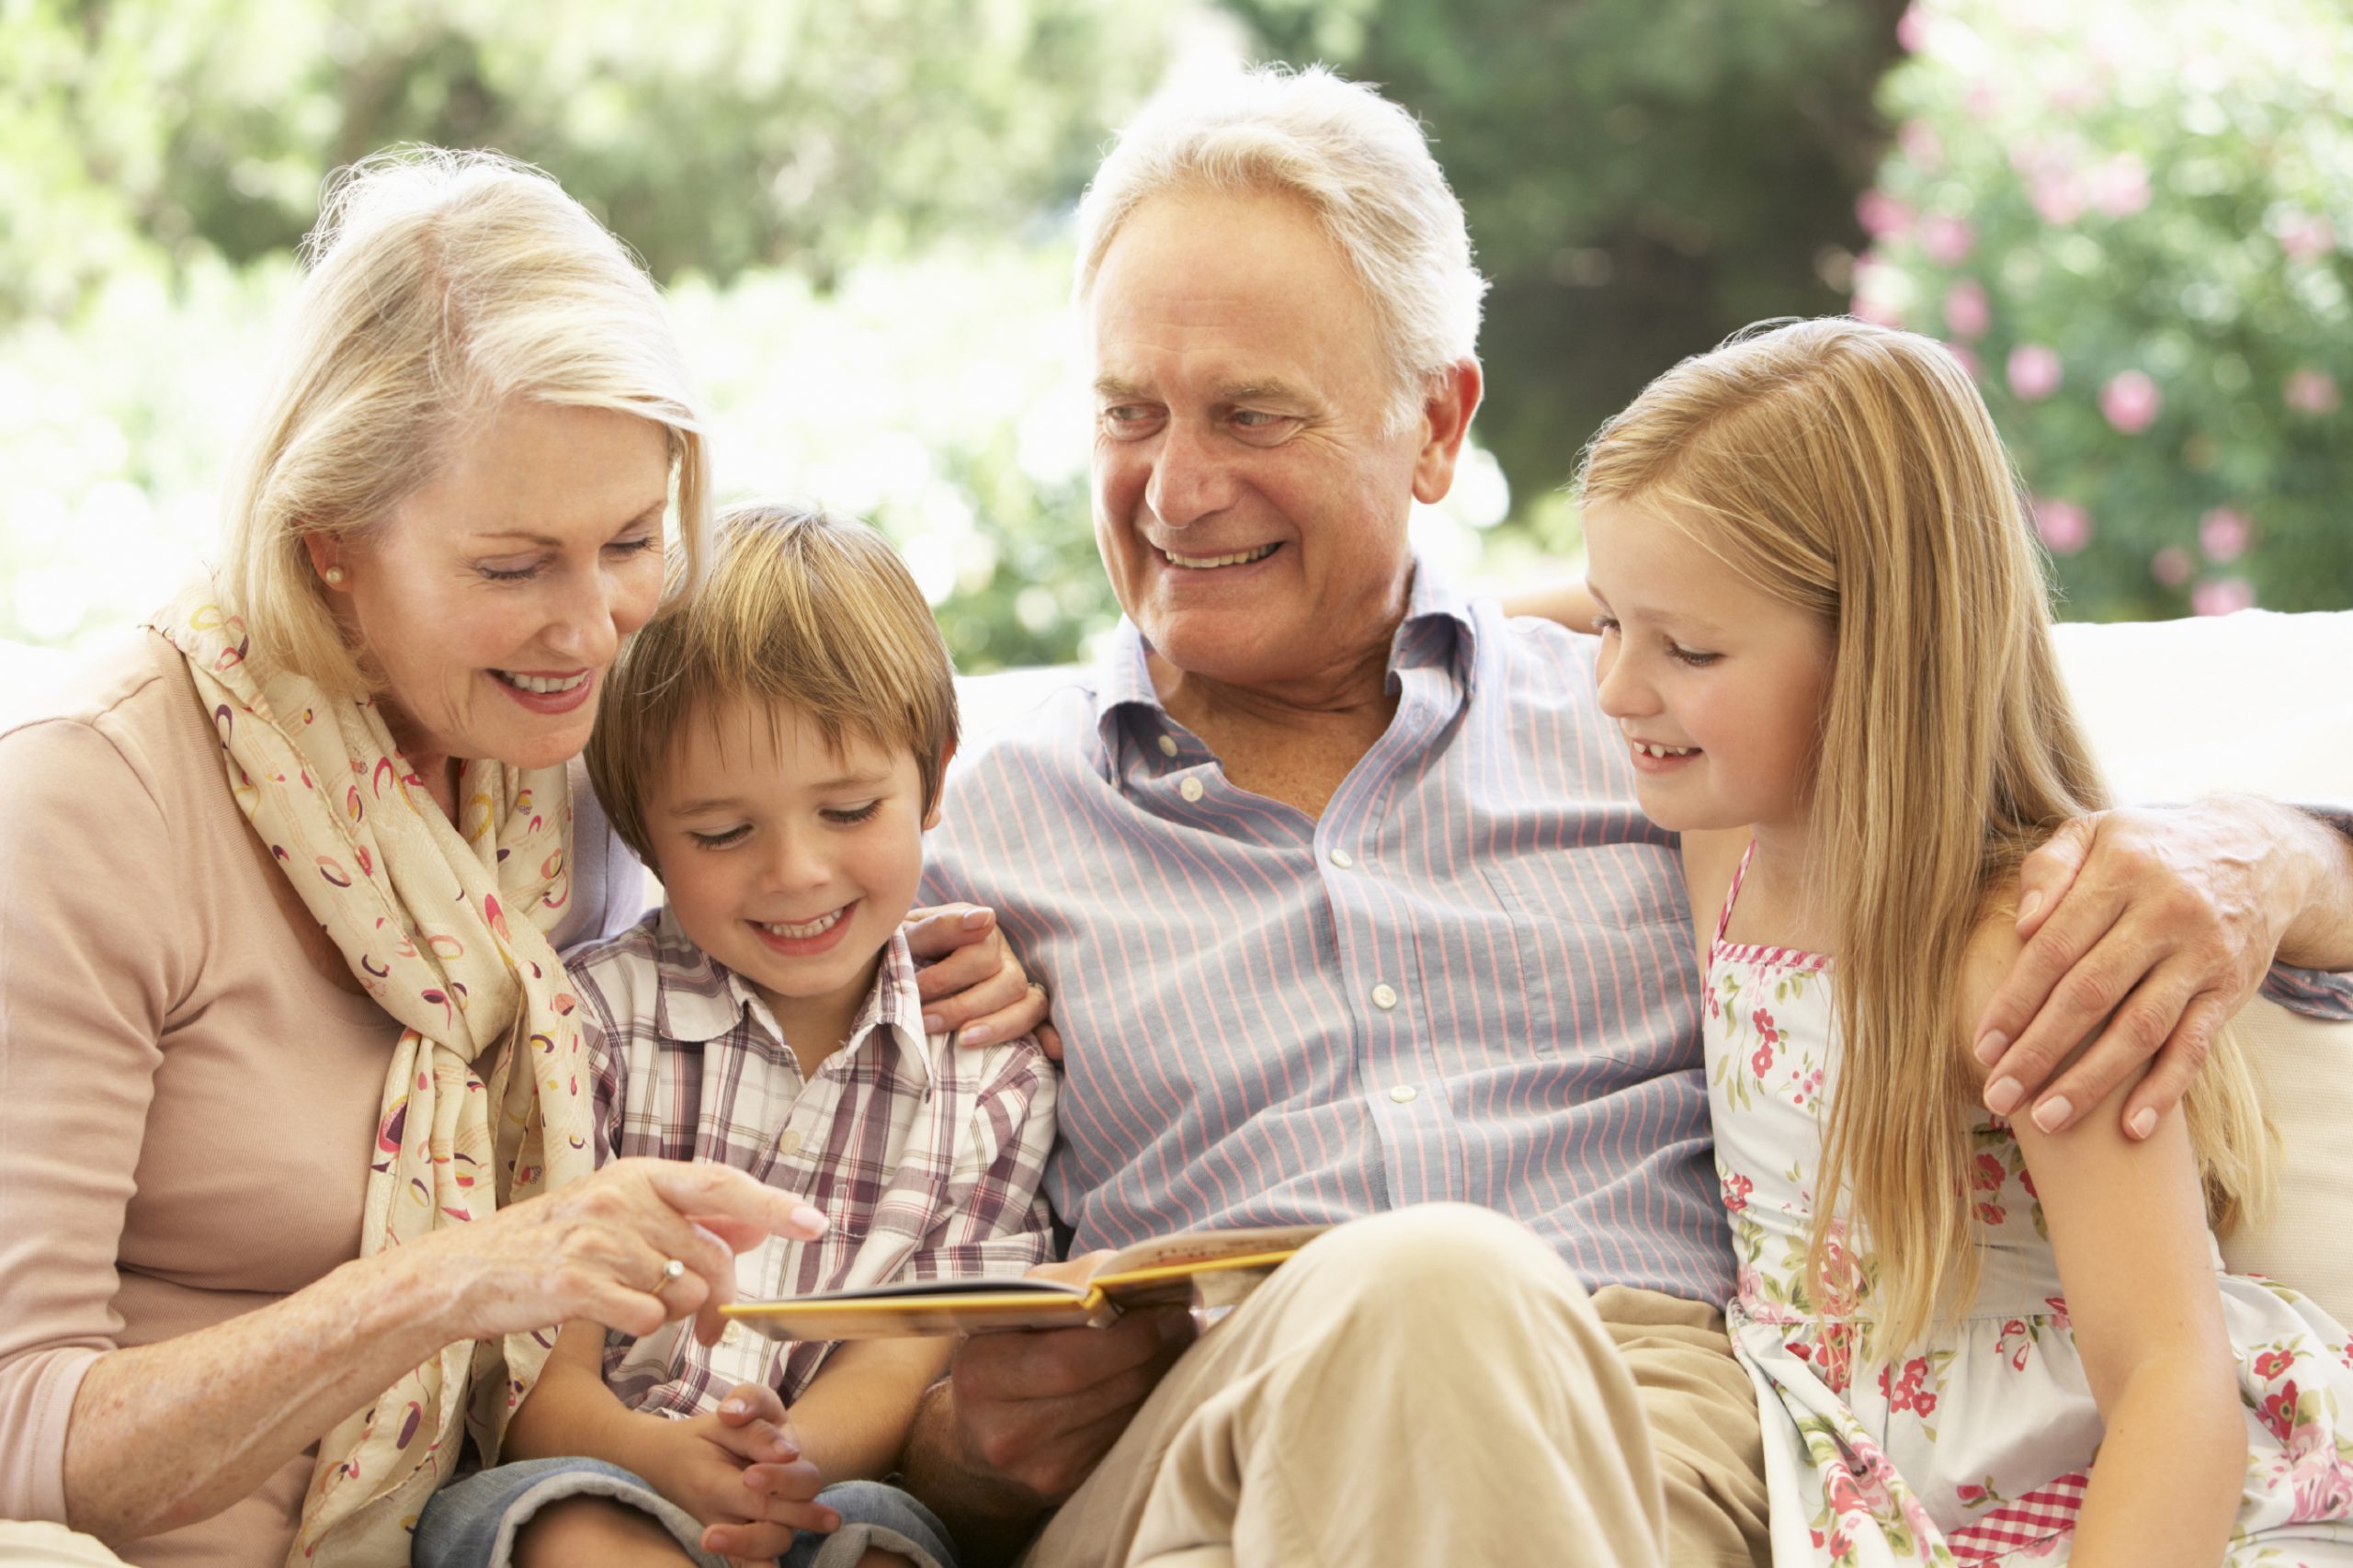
[
  {"x": 927, "y": 1157},
  {"x": 1471, "y": 979}
]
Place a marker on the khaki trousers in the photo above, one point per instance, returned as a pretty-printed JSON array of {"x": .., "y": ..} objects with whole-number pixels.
[{"x": 1433, "y": 1387}]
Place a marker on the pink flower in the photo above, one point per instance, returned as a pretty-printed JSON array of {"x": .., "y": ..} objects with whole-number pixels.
[
  {"x": 2222, "y": 595},
  {"x": 1970, "y": 1495},
  {"x": 2035, "y": 371},
  {"x": 1881, "y": 215},
  {"x": 2223, "y": 534},
  {"x": 2323, "y": 1486},
  {"x": 1947, "y": 240},
  {"x": 1920, "y": 144},
  {"x": 1990, "y": 1213},
  {"x": 2306, "y": 235},
  {"x": 2064, "y": 527},
  {"x": 1967, "y": 311},
  {"x": 1737, "y": 1191},
  {"x": 2271, "y": 1363},
  {"x": 2058, "y": 1305},
  {"x": 2131, "y": 400},
  {"x": 2119, "y": 187},
  {"x": 1912, "y": 31},
  {"x": 2058, "y": 199},
  {"x": 2025, "y": 1180},
  {"x": 1761, "y": 1062},
  {"x": 2171, "y": 566},
  {"x": 2311, "y": 392},
  {"x": 1987, "y": 1174}
]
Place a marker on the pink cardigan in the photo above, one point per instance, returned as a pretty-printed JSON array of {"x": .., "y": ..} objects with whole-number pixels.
[{"x": 155, "y": 1006}]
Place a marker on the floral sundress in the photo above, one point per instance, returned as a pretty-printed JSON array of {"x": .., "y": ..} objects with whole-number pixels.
[{"x": 1973, "y": 1447}]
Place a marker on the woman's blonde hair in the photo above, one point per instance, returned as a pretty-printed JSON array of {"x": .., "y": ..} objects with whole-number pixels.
[
  {"x": 803, "y": 610},
  {"x": 1854, "y": 472},
  {"x": 441, "y": 285}
]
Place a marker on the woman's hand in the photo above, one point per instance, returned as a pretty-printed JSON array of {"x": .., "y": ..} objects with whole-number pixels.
[
  {"x": 599, "y": 1250},
  {"x": 971, "y": 981}
]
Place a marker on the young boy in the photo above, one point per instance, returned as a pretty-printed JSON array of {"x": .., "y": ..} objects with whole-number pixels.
[{"x": 773, "y": 750}]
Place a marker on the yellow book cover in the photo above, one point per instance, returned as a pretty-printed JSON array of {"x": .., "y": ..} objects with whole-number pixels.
[{"x": 1207, "y": 1268}]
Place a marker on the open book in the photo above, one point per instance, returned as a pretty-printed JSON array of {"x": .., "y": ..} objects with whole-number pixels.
[{"x": 1210, "y": 1268}]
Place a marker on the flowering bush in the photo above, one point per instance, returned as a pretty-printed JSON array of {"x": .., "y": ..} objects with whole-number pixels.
[{"x": 2136, "y": 236}]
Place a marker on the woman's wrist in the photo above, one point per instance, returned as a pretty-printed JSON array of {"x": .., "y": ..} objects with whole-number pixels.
[{"x": 401, "y": 1297}]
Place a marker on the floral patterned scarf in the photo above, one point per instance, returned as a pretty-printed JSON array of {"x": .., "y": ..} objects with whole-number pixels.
[{"x": 446, "y": 929}]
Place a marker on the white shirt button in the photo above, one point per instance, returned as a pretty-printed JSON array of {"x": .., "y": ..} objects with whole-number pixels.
[
  {"x": 787, "y": 1141},
  {"x": 1190, "y": 789},
  {"x": 1384, "y": 997},
  {"x": 1168, "y": 745},
  {"x": 733, "y": 1336},
  {"x": 1404, "y": 1094},
  {"x": 1343, "y": 859}
]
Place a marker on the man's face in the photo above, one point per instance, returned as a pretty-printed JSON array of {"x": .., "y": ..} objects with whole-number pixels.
[{"x": 1250, "y": 499}]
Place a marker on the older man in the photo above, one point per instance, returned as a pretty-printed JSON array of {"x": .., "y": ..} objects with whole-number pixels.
[{"x": 1349, "y": 917}]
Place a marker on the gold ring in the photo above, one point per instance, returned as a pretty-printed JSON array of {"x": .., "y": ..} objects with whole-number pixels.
[{"x": 672, "y": 1272}]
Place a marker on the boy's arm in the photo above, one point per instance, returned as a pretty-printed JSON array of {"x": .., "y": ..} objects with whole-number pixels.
[
  {"x": 853, "y": 1419},
  {"x": 2127, "y": 1220},
  {"x": 571, "y": 1412}
]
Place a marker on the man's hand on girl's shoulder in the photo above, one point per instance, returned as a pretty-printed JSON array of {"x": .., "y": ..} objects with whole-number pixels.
[{"x": 2148, "y": 927}]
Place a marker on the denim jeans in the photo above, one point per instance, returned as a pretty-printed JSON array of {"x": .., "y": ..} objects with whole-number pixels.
[{"x": 471, "y": 1523}]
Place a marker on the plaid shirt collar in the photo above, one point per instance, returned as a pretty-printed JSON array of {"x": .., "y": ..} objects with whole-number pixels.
[{"x": 698, "y": 1000}]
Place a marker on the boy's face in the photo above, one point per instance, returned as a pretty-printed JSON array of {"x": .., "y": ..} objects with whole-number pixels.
[{"x": 789, "y": 860}]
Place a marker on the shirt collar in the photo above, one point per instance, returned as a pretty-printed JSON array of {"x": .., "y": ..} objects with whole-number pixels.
[
  {"x": 1438, "y": 625},
  {"x": 698, "y": 999}
]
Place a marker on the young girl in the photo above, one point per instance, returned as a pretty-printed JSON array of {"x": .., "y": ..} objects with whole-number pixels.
[{"x": 1824, "y": 639}]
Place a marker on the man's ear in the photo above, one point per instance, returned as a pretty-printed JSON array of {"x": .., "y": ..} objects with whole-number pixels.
[
  {"x": 1450, "y": 399},
  {"x": 939, "y": 790}
]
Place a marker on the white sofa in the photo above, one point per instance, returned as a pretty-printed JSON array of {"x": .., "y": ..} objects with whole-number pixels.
[{"x": 2176, "y": 709}]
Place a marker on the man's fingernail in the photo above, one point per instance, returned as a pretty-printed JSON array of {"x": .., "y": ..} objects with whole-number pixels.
[
  {"x": 934, "y": 1024},
  {"x": 2028, "y": 905},
  {"x": 810, "y": 1218},
  {"x": 2144, "y": 1123},
  {"x": 2002, "y": 1096},
  {"x": 1989, "y": 1046},
  {"x": 976, "y": 918},
  {"x": 2053, "y": 1113},
  {"x": 733, "y": 1407},
  {"x": 977, "y": 1035}
]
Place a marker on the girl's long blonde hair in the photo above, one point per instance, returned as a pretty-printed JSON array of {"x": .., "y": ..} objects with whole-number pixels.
[{"x": 1853, "y": 471}]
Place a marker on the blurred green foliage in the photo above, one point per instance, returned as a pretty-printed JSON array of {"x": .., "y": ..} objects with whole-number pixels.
[
  {"x": 862, "y": 213},
  {"x": 2137, "y": 235},
  {"x": 1643, "y": 177}
]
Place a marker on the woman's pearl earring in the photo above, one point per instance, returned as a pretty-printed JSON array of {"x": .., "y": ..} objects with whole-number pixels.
[{"x": 333, "y": 575}]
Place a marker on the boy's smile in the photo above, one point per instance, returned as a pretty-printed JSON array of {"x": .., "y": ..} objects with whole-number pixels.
[{"x": 790, "y": 861}]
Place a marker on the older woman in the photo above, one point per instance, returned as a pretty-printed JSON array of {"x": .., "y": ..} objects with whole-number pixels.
[{"x": 286, "y": 1050}]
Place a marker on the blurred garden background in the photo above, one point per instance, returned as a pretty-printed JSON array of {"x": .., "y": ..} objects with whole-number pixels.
[{"x": 2132, "y": 219}]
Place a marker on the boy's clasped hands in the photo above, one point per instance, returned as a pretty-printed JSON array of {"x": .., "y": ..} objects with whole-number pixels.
[{"x": 740, "y": 1471}]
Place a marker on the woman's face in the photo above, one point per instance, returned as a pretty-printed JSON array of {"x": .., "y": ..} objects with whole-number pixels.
[{"x": 492, "y": 601}]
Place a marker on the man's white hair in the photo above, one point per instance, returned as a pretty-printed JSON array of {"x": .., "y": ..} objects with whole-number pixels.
[{"x": 1359, "y": 162}]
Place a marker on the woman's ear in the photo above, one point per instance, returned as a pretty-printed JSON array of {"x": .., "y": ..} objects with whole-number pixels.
[{"x": 327, "y": 554}]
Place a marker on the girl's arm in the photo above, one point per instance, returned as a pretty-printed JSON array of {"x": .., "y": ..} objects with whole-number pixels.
[
  {"x": 1567, "y": 602},
  {"x": 2128, "y": 1223}
]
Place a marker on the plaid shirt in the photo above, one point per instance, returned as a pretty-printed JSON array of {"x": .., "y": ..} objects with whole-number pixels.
[{"x": 926, "y": 1156}]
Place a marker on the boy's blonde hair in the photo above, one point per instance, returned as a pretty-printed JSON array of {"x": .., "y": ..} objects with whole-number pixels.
[
  {"x": 441, "y": 284},
  {"x": 1854, "y": 472},
  {"x": 800, "y": 607}
]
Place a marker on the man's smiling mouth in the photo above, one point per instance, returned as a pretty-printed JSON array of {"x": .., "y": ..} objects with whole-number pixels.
[{"x": 1209, "y": 563}]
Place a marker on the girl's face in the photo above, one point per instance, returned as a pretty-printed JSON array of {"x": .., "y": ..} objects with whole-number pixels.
[{"x": 1716, "y": 686}]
